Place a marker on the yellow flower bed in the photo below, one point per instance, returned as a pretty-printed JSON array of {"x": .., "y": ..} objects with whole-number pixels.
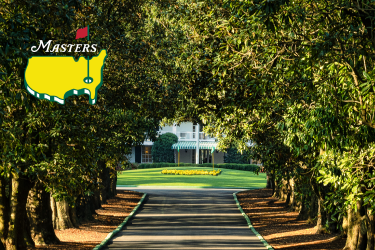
[{"x": 191, "y": 172}]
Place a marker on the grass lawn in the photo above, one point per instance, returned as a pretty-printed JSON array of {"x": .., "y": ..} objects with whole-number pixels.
[{"x": 228, "y": 178}]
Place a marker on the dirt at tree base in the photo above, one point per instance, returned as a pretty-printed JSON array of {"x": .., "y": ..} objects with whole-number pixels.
[
  {"x": 108, "y": 218},
  {"x": 269, "y": 216},
  {"x": 280, "y": 227}
]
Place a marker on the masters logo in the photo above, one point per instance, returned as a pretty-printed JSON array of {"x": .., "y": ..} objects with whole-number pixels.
[{"x": 55, "y": 78}]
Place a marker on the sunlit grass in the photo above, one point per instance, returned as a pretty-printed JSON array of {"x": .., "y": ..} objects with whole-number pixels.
[{"x": 227, "y": 179}]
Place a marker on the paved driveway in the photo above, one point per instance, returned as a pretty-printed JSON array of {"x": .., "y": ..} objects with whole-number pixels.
[{"x": 187, "y": 219}]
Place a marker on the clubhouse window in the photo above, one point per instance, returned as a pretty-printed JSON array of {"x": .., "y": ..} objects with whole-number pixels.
[{"x": 146, "y": 154}]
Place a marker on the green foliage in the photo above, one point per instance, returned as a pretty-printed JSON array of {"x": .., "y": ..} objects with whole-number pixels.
[
  {"x": 234, "y": 156},
  {"x": 295, "y": 78},
  {"x": 244, "y": 167},
  {"x": 61, "y": 145},
  {"x": 162, "y": 149}
]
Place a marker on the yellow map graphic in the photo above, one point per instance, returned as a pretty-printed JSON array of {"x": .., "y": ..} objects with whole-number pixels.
[{"x": 57, "y": 77}]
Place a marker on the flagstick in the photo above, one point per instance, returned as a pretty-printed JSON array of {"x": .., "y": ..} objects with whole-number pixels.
[
  {"x": 88, "y": 57},
  {"x": 88, "y": 66},
  {"x": 213, "y": 168},
  {"x": 178, "y": 161}
]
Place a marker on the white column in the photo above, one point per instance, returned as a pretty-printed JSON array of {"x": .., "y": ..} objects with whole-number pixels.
[
  {"x": 197, "y": 146},
  {"x": 174, "y": 131}
]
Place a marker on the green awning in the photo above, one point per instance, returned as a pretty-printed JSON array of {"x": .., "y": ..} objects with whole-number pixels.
[
  {"x": 185, "y": 145},
  {"x": 193, "y": 145},
  {"x": 207, "y": 145}
]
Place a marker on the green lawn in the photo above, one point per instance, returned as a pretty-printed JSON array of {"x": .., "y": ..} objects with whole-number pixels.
[{"x": 227, "y": 179}]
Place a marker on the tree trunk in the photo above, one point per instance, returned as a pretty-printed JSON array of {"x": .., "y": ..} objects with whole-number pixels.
[
  {"x": 277, "y": 191},
  {"x": 112, "y": 184},
  {"x": 273, "y": 184},
  {"x": 313, "y": 211},
  {"x": 4, "y": 209},
  {"x": 322, "y": 218},
  {"x": 323, "y": 215},
  {"x": 91, "y": 202},
  {"x": 16, "y": 234},
  {"x": 269, "y": 181},
  {"x": 40, "y": 216},
  {"x": 303, "y": 211},
  {"x": 60, "y": 215},
  {"x": 27, "y": 232},
  {"x": 283, "y": 191},
  {"x": 359, "y": 227},
  {"x": 108, "y": 179},
  {"x": 73, "y": 216},
  {"x": 353, "y": 230},
  {"x": 370, "y": 231},
  {"x": 104, "y": 181},
  {"x": 309, "y": 212},
  {"x": 294, "y": 204},
  {"x": 96, "y": 199},
  {"x": 84, "y": 208},
  {"x": 289, "y": 189}
]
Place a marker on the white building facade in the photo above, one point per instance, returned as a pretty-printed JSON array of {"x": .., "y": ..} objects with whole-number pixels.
[{"x": 194, "y": 146}]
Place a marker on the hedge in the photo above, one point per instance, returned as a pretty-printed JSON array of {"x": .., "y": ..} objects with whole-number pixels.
[
  {"x": 245, "y": 167},
  {"x": 163, "y": 165}
]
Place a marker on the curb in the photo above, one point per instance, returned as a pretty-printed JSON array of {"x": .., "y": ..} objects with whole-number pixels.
[
  {"x": 111, "y": 234},
  {"x": 268, "y": 246}
]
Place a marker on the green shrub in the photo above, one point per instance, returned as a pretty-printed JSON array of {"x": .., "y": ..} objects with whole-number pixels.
[
  {"x": 234, "y": 156},
  {"x": 162, "y": 150},
  {"x": 235, "y": 166},
  {"x": 163, "y": 164}
]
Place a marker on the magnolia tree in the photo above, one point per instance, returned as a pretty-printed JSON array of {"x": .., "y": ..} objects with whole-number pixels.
[
  {"x": 70, "y": 151},
  {"x": 297, "y": 79}
]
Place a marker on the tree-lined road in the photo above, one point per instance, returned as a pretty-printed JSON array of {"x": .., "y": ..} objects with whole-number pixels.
[{"x": 187, "y": 219}]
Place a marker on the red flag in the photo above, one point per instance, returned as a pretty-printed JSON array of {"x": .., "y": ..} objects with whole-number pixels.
[{"x": 82, "y": 33}]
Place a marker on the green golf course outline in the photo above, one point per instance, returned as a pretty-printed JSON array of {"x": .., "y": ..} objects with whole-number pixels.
[{"x": 45, "y": 96}]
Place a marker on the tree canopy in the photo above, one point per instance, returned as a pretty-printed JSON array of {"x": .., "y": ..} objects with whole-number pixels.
[{"x": 296, "y": 78}]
